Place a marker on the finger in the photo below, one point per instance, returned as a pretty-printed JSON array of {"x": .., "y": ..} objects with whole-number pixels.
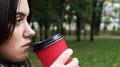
[
  {"x": 73, "y": 63},
  {"x": 64, "y": 56}
]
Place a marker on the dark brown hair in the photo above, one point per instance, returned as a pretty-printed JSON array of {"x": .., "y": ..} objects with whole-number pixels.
[{"x": 8, "y": 10}]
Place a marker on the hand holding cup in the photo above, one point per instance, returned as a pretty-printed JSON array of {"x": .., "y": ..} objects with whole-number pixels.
[
  {"x": 61, "y": 60},
  {"x": 49, "y": 51}
]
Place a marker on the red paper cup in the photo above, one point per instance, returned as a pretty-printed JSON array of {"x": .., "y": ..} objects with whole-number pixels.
[{"x": 49, "y": 50}]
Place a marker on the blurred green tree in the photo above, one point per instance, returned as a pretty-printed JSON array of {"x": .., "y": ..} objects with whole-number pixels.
[{"x": 44, "y": 14}]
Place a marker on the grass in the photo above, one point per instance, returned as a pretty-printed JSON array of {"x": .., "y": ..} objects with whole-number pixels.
[{"x": 103, "y": 52}]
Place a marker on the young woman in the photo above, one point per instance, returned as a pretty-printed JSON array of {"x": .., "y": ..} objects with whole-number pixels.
[{"x": 15, "y": 34}]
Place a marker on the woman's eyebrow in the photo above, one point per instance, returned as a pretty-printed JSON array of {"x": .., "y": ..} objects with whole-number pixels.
[{"x": 21, "y": 14}]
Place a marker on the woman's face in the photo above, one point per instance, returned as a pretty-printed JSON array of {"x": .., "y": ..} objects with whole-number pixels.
[{"x": 16, "y": 49}]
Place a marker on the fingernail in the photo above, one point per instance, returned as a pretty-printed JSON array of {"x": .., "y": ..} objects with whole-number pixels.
[
  {"x": 75, "y": 59},
  {"x": 69, "y": 50}
]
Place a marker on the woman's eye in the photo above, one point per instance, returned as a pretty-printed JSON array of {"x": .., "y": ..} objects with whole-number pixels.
[{"x": 18, "y": 19}]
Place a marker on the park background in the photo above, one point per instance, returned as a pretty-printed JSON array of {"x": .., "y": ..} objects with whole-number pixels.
[{"x": 90, "y": 27}]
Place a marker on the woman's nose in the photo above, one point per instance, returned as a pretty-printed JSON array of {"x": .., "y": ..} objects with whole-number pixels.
[{"x": 28, "y": 32}]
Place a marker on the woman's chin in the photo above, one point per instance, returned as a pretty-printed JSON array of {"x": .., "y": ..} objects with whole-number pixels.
[{"x": 21, "y": 58}]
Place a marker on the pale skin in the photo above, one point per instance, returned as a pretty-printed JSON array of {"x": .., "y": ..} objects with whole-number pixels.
[{"x": 16, "y": 49}]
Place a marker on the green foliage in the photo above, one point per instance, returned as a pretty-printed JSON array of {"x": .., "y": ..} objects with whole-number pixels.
[
  {"x": 82, "y": 9},
  {"x": 43, "y": 10},
  {"x": 50, "y": 10}
]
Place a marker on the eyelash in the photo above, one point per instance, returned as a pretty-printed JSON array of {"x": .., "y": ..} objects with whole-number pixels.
[{"x": 18, "y": 19}]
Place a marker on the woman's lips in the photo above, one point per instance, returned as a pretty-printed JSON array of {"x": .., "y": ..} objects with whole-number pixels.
[{"x": 27, "y": 45}]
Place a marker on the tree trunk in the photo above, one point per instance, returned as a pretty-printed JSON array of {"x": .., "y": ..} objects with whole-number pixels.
[
  {"x": 52, "y": 30},
  {"x": 69, "y": 30},
  {"x": 34, "y": 37},
  {"x": 78, "y": 28},
  {"x": 97, "y": 27},
  {"x": 91, "y": 32},
  {"x": 93, "y": 21},
  {"x": 62, "y": 29},
  {"x": 58, "y": 29},
  {"x": 98, "y": 17},
  {"x": 69, "y": 22},
  {"x": 62, "y": 15},
  {"x": 46, "y": 30},
  {"x": 40, "y": 29}
]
